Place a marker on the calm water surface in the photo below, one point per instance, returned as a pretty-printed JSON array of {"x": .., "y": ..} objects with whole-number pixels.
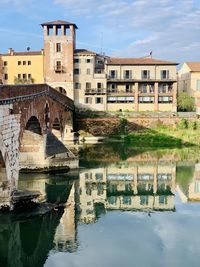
[{"x": 124, "y": 207}]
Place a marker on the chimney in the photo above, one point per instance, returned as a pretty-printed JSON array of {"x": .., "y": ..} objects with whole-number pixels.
[{"x": 10, "y": 51}]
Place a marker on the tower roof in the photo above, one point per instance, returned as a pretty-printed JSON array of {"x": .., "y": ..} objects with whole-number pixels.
[{"x": 58, "y": 23}]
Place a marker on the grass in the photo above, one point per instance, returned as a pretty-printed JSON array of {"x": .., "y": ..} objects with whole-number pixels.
[{"x": 164, "y": 137}]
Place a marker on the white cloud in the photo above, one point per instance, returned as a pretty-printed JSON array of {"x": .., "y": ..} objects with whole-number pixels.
[{"x": 169, "y": 28}]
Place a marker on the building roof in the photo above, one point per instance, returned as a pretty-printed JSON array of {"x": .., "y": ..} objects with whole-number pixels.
[
  {"x": 26, "y": 53},
  {"x": 138, "y": 61},
  {"x": 194, "y": 66},
  {"x": 58, "y": 23},
  {"x": 84, "y": 52}
]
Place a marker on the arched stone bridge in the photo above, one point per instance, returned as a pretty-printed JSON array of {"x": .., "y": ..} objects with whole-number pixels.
[{"x": 35, "y": 121}]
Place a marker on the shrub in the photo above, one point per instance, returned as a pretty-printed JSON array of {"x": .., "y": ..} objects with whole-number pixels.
[
  {"x": 185, "y": 102},
  {"x": 194, "y": 125},
  {"x": 183, "y": 124}
]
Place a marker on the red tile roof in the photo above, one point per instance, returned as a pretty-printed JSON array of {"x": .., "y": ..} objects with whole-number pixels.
[
  {"x": 84, "y": 52},
  {"x": 194, "y": 66},
  {"x": 26, "y": 53},
  {"x": 138, "y": 61}
]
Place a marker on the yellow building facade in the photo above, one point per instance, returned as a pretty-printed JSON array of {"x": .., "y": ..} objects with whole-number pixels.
[{"x": 22, "y": 67}]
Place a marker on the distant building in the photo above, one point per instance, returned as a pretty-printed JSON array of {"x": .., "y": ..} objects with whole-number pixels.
[
  {"x": 92, "y": 80},
  {"x": 189, "y": 81}
]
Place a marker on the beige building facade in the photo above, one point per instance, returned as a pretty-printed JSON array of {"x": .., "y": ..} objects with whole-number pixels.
[
  {"x": 93, "y": 81},
  {"x": 189, "y": 81}
]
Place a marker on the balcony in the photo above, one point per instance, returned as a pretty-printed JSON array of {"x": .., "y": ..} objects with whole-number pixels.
[
  {"x": 95, "y": 91},
  {"x": 59, "y": 69},
  {"x": 122, "y": 92}
]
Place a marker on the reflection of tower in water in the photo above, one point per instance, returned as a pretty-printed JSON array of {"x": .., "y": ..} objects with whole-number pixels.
[{"x": 66, "y": 233}]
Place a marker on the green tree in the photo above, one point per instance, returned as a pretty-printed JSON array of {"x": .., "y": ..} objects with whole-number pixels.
[{"x": 185, "y": 102}]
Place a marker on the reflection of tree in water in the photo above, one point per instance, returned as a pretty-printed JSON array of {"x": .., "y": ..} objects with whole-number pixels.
[
  {"x": 184, "y": 176},
  {"x": 25, "y": 240}
]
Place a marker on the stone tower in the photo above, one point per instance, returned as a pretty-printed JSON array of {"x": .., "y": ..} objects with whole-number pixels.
[{"x": 59, "y": 45}]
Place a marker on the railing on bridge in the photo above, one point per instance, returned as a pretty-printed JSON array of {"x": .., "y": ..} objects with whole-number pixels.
[{"x": 16, "y": 93}]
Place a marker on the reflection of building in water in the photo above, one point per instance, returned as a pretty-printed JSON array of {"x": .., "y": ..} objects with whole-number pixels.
[
  {"x": 56, "y": 189},
  {"x": 189, "y": 183},
  {"x": 92, "y": 192},
  {"x": 129, "y": 187},
  {"x": 66, "y": 233}
]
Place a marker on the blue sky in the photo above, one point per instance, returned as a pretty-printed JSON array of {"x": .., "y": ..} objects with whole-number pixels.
[{"x": 129, "y": 28}]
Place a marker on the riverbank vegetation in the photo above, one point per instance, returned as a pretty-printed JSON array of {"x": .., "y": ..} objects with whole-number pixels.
[{"x": 182, "y": 134}]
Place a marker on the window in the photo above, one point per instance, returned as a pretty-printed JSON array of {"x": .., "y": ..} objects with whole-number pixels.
[
  {"x": 5, "y": 63},
  {"x": 113, "y": 87},
  {"x": 29, "y": 62},
  {"x": 163, "y": 200},
  {"x": 77, "y": 86},
  {"x": 163, "y": 88},
  {"x": 113, "y": 74},
  {"x": 198, "y": 85},
  {"x": 126, "y": 200},
  {"x": 58, "y": 47},
  {"x": 145, "y": 176},
  {"x": 145, "y": 74},
  {"x": 77, "y": 71},
  {"x": 127, "y": 74},
  {"x": 88, "y": 60},
  {"x": 88, "y": 100},
  {"x": 19, "y": 76},
  {"x": 112, "y": 200},
  {"x": 24, "y": 62},
  {"x": 88, "y": 71},
  {"x": 99, "y": 176},
  {"x": 5, "y": 76},
  {"x": 58, "y": 66},
  {"x": 19, "y": 63},
  {"x": 146, "y": 99},
  {"x": 164, "y": 176},
  {"x": 77, "y": 60},
  {"x": 29, "y": 76},
  {"x": 99, "y": 100},
  {"x": 144, "y": 88},
  {"x": 24, "y": 76},
  {"x": 144, "y": 200},
  {"x": 88, "y": 85},
  {"x": 165, "y": 99},
  {"x": 99, "y": 85},
  {"x": 128, "y": 88},
  {"x": 164, "y": 74},
  {"x": 120, "y": 99}
]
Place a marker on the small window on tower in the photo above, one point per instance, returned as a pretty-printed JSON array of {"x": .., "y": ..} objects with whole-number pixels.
[
  {"x": 24, "y": 62},
  {"x": 5, "y": 63},
  {"x": 19, "y": 63},
  {"x": 58, "y": 47},
  {"x": 29, "y": 62}
]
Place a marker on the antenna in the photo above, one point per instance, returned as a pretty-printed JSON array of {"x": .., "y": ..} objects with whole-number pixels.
[{"x": 101, "y": 52}]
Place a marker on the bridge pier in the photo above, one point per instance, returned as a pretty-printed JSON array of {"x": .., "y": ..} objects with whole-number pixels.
[{"x": 34, "y": 121}]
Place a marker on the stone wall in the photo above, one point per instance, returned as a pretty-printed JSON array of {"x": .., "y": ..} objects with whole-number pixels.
[
  {"x": 9, "y": 144},
  {"x": 110, "y": 126}
]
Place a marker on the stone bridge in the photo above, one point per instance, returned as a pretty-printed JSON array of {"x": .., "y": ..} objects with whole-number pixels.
[{"x": 35, "y": 123}]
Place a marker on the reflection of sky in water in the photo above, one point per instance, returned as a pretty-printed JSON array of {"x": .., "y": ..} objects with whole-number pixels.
[{"x": 137, "y": 239}]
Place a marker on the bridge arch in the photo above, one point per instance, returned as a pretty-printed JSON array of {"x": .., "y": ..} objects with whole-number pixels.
[{"x": 61, "y": 90}]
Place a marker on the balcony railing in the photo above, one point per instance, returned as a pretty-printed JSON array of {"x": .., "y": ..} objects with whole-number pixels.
[
  {"x": 95, "y": 91},
  {"x": 59, "y": 69}
]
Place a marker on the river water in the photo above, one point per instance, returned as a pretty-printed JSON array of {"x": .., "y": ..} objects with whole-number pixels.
[{"x": 123, "y": 207}]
